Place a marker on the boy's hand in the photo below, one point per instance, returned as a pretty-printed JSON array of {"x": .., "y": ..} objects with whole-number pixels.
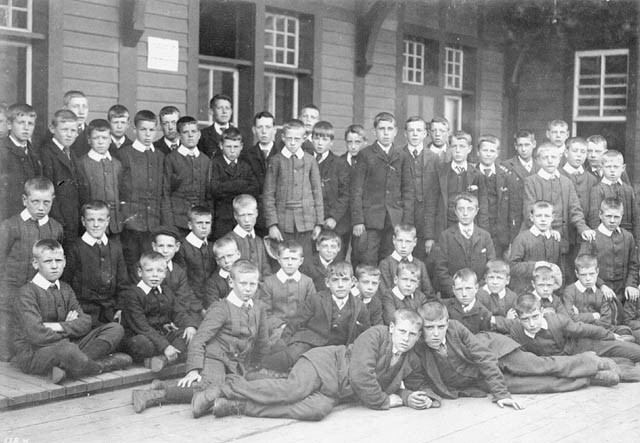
[
  {"x": 170, "y": 327},
  {"x": 607, "y": 292},
  {"x": 203, "y": 312},
  {"x": 512, "y": 314},
  {"x": 55, "y": 327},
  {"x": 419, "y": 400},
  {"x": 275, "y": 233},
  {"x": 632, "y": 293},
  {"x": 316, "y": 232},
  {"x": 428, "y": 244},
  {"x": 187, "y": 380},
  {"x": 189, "y": 333},
  {"x": 330, "y": 223},
  {"x": 575, "y": 310},
  {"x": 596, "y": 315},
  {"x": 509, "y": 402},
  {"x": 117, "y": 317},
  {"x": 555, "y": 235},
  {"x": 589, "y": 235},
  {"x": 358, "y": 229},
  {"x": 618, "y": 337},
  {"x": 171, "y": 353},
  {"x": 395, "y": 400},
  {"x": 71, "y": 316}
]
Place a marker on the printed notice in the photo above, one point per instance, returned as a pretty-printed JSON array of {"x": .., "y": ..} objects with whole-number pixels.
[{"x": 162, "y": 54}]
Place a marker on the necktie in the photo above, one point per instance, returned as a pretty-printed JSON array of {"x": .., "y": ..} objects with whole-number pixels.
[
  {"x": 54, "y": 290},
  {"x": 395, "y": 358},
  {"x": 100, "y": 246},
  {"x": 487, "y": 171},
  {"x": 318, "y": 157},
  {"x": 67, "y": 152},
  {"x": 588, "y": 292},
  {"x": 246, "y": 307},
  {"x": 494, "y": 295},
  {"x": 174, "y": 146},
  {"x": 414, "y": 153},
  {"x": 442, "y": 350},
  {"x": 459, "y": 170},
  {"x": 154, "y": 291},
  {"x": 466, "y": 308}
]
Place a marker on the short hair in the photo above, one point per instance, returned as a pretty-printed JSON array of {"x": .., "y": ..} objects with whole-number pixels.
[
  {"x": 223, "y": 242},
  {"x": 198, "y": 210},
  {"x": 526, "y": 303},
  {"x": 466, "y": 196},
  {"x": 218, "y": 97},
  {"x": 328, "y": 235},
  {"x": 243, "y": 266},
  {"x": 544, "y": 146},
  {"x": 406, "y": 228},
  {"x": 165, "y": 230},
  {"x": 45, "y": 244},
  {"x": 263, "y": 114},
  {"x": 440, "y": 120},
  {"x": 498, "y": 266},
  {"x": 231, "y": 134},
  {"x": 612, "y": 154},
  {"x": 340, "y": 269},
  {"x": 168, "y": 110},
  {"x": 413, "y": 119},
  {"x": 575, "y": 141},
  {"x": 540, "y": 204},
  {"x": 544, "y": 272},
  {"x": 524, "y": 133},
  {"x": 117, "y": 111},
  {"x": 94, "y": 205},
  {"x": 489, "y": 138},
  {"x": 98, "y": 124},
  {"x": 584, "y": 261},
  {"x": 465, "y": 274},
  {"x": 290, "y": 245},
  {"x": 433, "y": 311},
  {"x": 364, "y": 269},
  {"x": 383, "y": 117},
  {"x": 355, "y": 129},
  {"x": 310, "y": 106},
  {"x": 242, "y": 201},
  {"x": 462, "y": 135},
  {"x": 3, "y": 109},
  {"x": 18, "y": 110},
  {"x": 152, "y": 256},
  {"x": 69, "y": 95},
  {"x": 63, "y": 116},
  {"x": 407, "y": 315},
  {"x": 323, "y": 128},
  {"x": 557, "y": 122},
  {"x": 37, "y": 184},
  {"x": 294, "y": 123},
  {"x": 598, "y": 140},
  {"x": 184, "y": 121},
  {"x": 611, "y": 203},
  {"x": 408, "y": 266},
  {"x": 144, "y": 116}
]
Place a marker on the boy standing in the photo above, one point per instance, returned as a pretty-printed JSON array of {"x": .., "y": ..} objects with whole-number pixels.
[
  {"x": 440, "y": 131},
  {"x": 222, "y": 110},
  {"x": 119, "y": 120},
  {"x": 309, "y": 116},
  {"x": 558, "y": 133},
  {"x": 546, "y": 280},
  {"x": 169, "y": 116},
  {"x": 77, "y": 102},
  {"x": 354, "y": 140}
]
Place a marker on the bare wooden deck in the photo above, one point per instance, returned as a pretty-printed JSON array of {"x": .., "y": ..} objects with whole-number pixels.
[{"x": 590, "y": 415}]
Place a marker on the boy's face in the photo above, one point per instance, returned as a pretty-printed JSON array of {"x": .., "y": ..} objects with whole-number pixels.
[
  {"x": 594, "y": 153},
  {"x": 354, "y": 143},
  {"x": 4, "y": 127},
  {"x": 50, "y": 263},
  {"x": 227, "y": 256},
  {"x": 465, "y": 290},
  {"x": 588, "y": 276},
  {"x": 525, "y": 147},
  {"x": 222, "y": 111},
  {"x": 38, "y": 203},
  {"x": 231, "y": 149},
  {"x": 404, "y": 335},
  {"x": 65, "y": 132},
  {"x": 576, "y": 154},
  {"x": 119, "y": 125},
  {"x": 612, "y": 168},
  {"x": 22, "y": 127},
  {"x": 246, "y": 217},
  {"x": 611, "y": 218},
  {"x": 245, "y": 284},
  {"x": 309, "y": 117},
  {"x": 200, "y": 225},
  {"x": 531, "y": 321},
  {"x": 404, "y": 243},
  {"x": 80, "y": 107},
  {"x": 496, "y": 281},
  {"x": 460, "y": 150},
  {"x": 407, "y": 282},
  {"x": 100, "y": 141},
  {"x": 152, "y": 272},
  {"x": 339, "y": 285},
  {"x": 439, "y": 133},
  {"x": 544, "y": 286},
  {"x": 542, "y": 218},
  {"x": 145, "y": 131},
  {"x": 328, "y": 250},
  {"x": 434, "y": 332},
  {"x": 549, "y": 159},
  {"x": 95, "y": 221},
  {"x": 368, "y": 285},
  {"x": 169, "y": 123},
  {"x": 466, "y": 212},
  {"x": 558, "y": 135},
  {"x": 264, "y": 130},
  {"x": 386, "y": 132},
  {"x": 416, "y": 133},
  {"x": 487, "y": 153},
  {"x": 165, "y": 245},
  {"x": 290, "y": 261},
  {"x": 322, "y": 143},
  {"x": 190, "y": 135},
  {"x": 292, "y": 138}
]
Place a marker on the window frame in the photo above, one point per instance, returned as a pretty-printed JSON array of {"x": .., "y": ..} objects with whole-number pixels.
[
  {"x": 294, "y": 105},
  {"x": 450, "y": 99},
  {"x": 415, "y": 55},
  {"x": 286, "y": 49},
  {"x": 28, "y": 68},
  {"x": 29, "y": 10},
  {"x": 450, "y": 78},
  {"x": 236, "y": 87}
]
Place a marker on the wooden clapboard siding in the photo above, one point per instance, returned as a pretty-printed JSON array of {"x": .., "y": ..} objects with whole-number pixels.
[
  {"x": 380, "y": 82},
  {"x": 490, "y": 94}
]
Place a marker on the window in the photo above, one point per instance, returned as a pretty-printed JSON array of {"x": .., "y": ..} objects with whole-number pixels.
[
  {"x": 453, "y": 69},
  {"x": 214, "y": 80},
  {"x": 15, "y": 60},
  {"x": 281, "y": 40},
  {"x": 413, "y": 68},
  {"x": 281, "y": 96},
  {"x": 600, "y": 85},
  {"x": 453, "y": 111},
  {"x": 15, "y": 14}
]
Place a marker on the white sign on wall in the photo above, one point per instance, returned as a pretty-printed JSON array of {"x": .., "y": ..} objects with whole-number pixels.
[{"x": 162, "y": 54}]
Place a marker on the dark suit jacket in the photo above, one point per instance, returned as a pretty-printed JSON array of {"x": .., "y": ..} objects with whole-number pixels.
[
  {"x": 162, "y": 146},
  {"x": 115, "y": 151},
  {"x": 315, "y": 270},
  {"x": 508, "y": 209},
  {"x": 253, "y": 155},
  {"x": 81, "y": 146},
  {"x": 476, "y": 320},
  {"x": 16, "y": 168},
  {"x": 224, "y": 183},
  {"x": 209, "y": 142},
  {"x": 336, "y": 178}
]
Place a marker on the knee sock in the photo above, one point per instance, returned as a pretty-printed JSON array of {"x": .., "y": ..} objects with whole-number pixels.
[
  {"x": 176, "y": 394},
  {"x": 98, "y": 349}
]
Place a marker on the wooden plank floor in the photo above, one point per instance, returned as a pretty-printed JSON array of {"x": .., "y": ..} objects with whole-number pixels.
[{"x": 596, "y": 414}]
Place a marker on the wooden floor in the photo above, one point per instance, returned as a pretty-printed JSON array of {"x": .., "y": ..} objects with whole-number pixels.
[{"x": 591, "y": 415}]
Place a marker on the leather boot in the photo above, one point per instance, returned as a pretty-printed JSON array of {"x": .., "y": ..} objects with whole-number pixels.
[
  {"x": 57, "y": 375},
  {"x": 223, "y": 407},
  {"x": 202, "y": 401},
  {"x": 156, "y": 363},
  {"x": 158, "y": 385},
  {"x": 143, "y": 399},
  {"x": 114, "y": 362},
  {"x": 605, "y": 378}
]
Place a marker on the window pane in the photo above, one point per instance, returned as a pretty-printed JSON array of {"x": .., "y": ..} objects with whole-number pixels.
[
  {"x": 203, "y": 95},
  {"x": 4, "y": 17},
  {"x": 284, "y": 98},
  {"x": 281, "y": 33},
  {"x": 20, "y": 3},
  {"x": 269, "y": 103},
  {"x": 13, "y": 71},
  {"x": 600, "y": 96},
  {"x": 20, "y": 19},
  {"x": 221, "y": 82}
]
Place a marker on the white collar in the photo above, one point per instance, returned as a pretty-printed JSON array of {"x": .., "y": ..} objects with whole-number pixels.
[
  {"x": 324, "y": 262},
  {"x": 146, "y": 288},
  {"x": 417, "y": 149},
  {"x": 323, "y": 156},
  {"x": 58, "y": 144},
  {"x": 550, "y": 298},
  {"x": 235, "y": 300},
  {"x": 433, "y": 148},
  {"x": 469, "y": 306},
  {"x": 118, "y": 141},
  {"x": 502, "y": 294},
  {"x": 492, "y": 169},
  {"x": 288, "y": 154},
  {"x": 606, "y": 181},
  {"x": 92, "y": 241},
  {"x": 387, "y": 149},
  {"x": 182, "y": 150},
  {"x": 537, "y": 232},
  {"x": 398, "y": 258},
  {"x": 397, "y": 293},
  {"x": 444, "y": 343},
  {"x": 468, "y": 229},
  {"x": 464, "y": 165},
  {"x": 544, "y": 326},
  {"x": 571, "y": 170},
  {"x": 170, "y": 143},
  {"x": 223, "y": 273},
  {"x": 266, "y": 149},
  {"x": 17, "y": 143},
  {"x": 242, "y": 233},
  {"x": 195, "y": 241},
  {"x": 219, "y": 128},
  {"x": 340, "y": 301},
  {"x": 545, "y": 175},
  {"x": 138, "y": 146},
  {"x": 43, "y": 283},
  {"x": 283, "y": 277},
  {"x": 606, "y": 231},
  {"x": 526, "y": 164},
  {"x": 350, "y": 158},
  {"x": 24, "y": 215},
  {"x": 227, "y": 161},
  {"x": 581, "y": 288},
  {"x": 93, "y": 155}
]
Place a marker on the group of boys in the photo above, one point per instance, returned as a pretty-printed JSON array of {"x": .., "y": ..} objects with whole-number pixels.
[{"x": 451, "y": 288}]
